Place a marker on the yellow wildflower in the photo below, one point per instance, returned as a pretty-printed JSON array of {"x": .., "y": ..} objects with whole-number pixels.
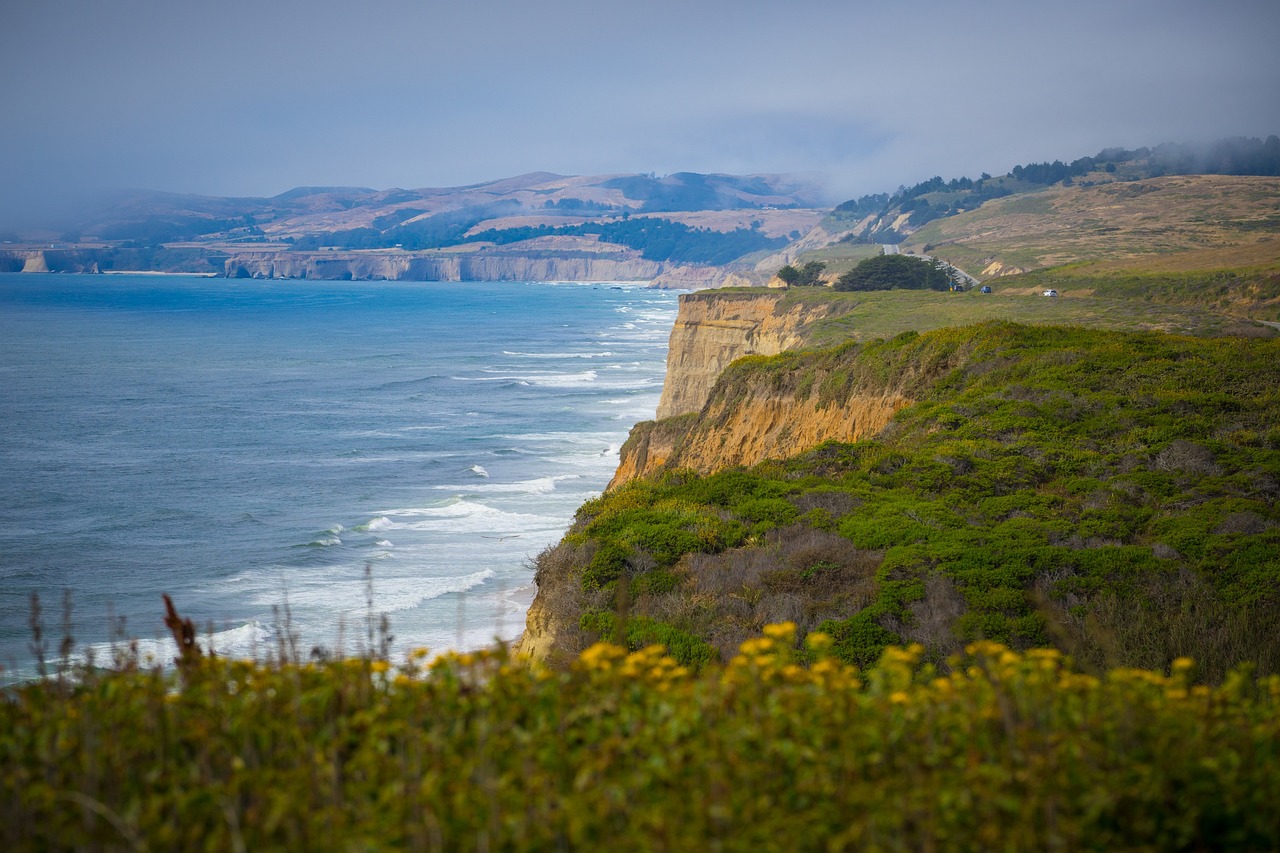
[{"x": 782, "y": 631}]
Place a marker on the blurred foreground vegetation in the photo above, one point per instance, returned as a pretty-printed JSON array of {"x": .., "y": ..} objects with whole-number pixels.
[{"x": 632, "y": 751}]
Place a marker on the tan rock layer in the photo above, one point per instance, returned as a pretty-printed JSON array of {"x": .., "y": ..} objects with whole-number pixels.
[
  {"x": 761, "y": 428},
  {"x": 649, "y": 447},
  {"x": 540, "y": 633},
  {"x": 755, "y": 426},
  {"x": 714, "y": 329}
]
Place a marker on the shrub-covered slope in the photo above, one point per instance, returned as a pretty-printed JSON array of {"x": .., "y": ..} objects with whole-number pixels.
[{"x": 1114, "y": 494}]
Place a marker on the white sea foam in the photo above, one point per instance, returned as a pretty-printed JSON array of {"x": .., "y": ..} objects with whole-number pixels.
[
  {"x": 379, "y": 523},
  {"x": 461, "y": 516},
  {"x": 558, "y": 356},
  {"x": 479, "y": 471},
  {"x": 390, "y": 594},
  {"x": 250, "y": 640},
  {"x": 538, "y": 486}
]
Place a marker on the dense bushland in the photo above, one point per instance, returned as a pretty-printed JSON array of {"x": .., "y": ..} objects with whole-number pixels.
[
  {"x": 1113, "y": 494},
  {"x": 632, "y": 751}
]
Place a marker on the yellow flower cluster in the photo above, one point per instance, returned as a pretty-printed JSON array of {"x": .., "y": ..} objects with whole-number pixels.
[
  {"x": 772, "y": 658},
  {"x": 651, "y": 666}
]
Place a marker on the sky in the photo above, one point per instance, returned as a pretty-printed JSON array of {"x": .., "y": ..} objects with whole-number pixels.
[{"x": 254, "y": 97}]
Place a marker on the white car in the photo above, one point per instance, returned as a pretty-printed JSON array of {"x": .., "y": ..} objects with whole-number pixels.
[{"x": 1051, "y": 293}]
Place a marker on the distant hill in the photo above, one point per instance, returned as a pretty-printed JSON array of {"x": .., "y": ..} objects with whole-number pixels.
[
  {"x": 1180, "y": 224},
  {"x": 890, "y": 218},
  {"x": 360, "y": 217}
]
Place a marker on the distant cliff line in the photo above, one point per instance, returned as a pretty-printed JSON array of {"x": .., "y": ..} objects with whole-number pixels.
[{"x": 383, "y": 266}]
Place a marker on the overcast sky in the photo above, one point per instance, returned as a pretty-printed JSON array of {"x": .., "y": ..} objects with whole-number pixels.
[{"x": 253, "y": 97}]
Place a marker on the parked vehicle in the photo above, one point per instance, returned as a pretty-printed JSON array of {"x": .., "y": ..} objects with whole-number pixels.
[
  {"x": 986, "y": 288},
  {"x": 1051, "y": 293}
]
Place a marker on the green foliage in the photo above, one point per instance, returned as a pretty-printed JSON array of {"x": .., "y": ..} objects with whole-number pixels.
[
  {"x": 655, "y": 238},
  {"x": 808, "y": 275},
  {"x": 633, "y": 751},
  {"x": 607, "y": 565},
  {"x": 894, "y": 272},
  {"x": 1044, "y": 474},
  {"x": 641, "y": 631},
  {"x": 656, "y": 582}
]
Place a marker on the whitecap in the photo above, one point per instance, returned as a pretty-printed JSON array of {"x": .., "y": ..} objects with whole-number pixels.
[
  {"x": 250, "y": 640},
  {"x": 349, "y": 595},
  {"x": 537, "y": 486}
]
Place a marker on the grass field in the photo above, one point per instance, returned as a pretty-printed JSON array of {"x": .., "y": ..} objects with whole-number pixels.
[
  {"x": 867, "y": 316},
  {"x": 1179, "y": 223}
]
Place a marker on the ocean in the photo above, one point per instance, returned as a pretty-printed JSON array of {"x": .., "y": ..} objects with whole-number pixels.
[{"x": 268, "y": 452}]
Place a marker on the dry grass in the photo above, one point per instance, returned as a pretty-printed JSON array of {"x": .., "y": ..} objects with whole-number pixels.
[{"x": 1211, "y": 220}]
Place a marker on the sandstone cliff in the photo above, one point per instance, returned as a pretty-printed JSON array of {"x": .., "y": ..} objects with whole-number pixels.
[
  {"x": 760, "y": 410},
  {"x": 714, "y": 329}
]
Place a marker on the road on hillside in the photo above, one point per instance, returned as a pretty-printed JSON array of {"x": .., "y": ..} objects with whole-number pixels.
[{"x": 892, "y": 249}]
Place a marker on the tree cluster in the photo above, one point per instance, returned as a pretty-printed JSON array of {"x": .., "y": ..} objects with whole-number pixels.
[
  {"x": 808, "y": 275},
  {"x": 894, "y": 272}
]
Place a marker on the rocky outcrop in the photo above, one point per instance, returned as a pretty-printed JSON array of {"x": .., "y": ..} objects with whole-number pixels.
[
  {"x": 650, "y": 447},
  {"x": 714, "y": 329},
  {"x": 53, "y": 260}
]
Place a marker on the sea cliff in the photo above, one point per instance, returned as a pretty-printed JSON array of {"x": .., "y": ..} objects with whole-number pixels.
[
  {"x": 714, "y": 329},
  {"x": 715, "y": 415},
  {"x": 1032, "y": 484},
  {"x": 603, "y": 263}
]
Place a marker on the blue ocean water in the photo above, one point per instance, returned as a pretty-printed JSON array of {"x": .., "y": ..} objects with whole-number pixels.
[{"x": 249, "y": 445}]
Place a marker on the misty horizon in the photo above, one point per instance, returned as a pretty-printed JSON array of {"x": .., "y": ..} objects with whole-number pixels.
[{"x": 245, "y": 100}]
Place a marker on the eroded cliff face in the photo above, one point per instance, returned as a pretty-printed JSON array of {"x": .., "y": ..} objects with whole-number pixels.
[
  {"x": 757, "y": 415},
  {"x": 764, "y": 424},
  {"x": 715, "y": 416},
  {"x": 714, "y": 329}
]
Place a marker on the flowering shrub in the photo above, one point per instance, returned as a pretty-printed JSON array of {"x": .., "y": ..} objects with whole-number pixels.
[{"x": 782, "y": 747}]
